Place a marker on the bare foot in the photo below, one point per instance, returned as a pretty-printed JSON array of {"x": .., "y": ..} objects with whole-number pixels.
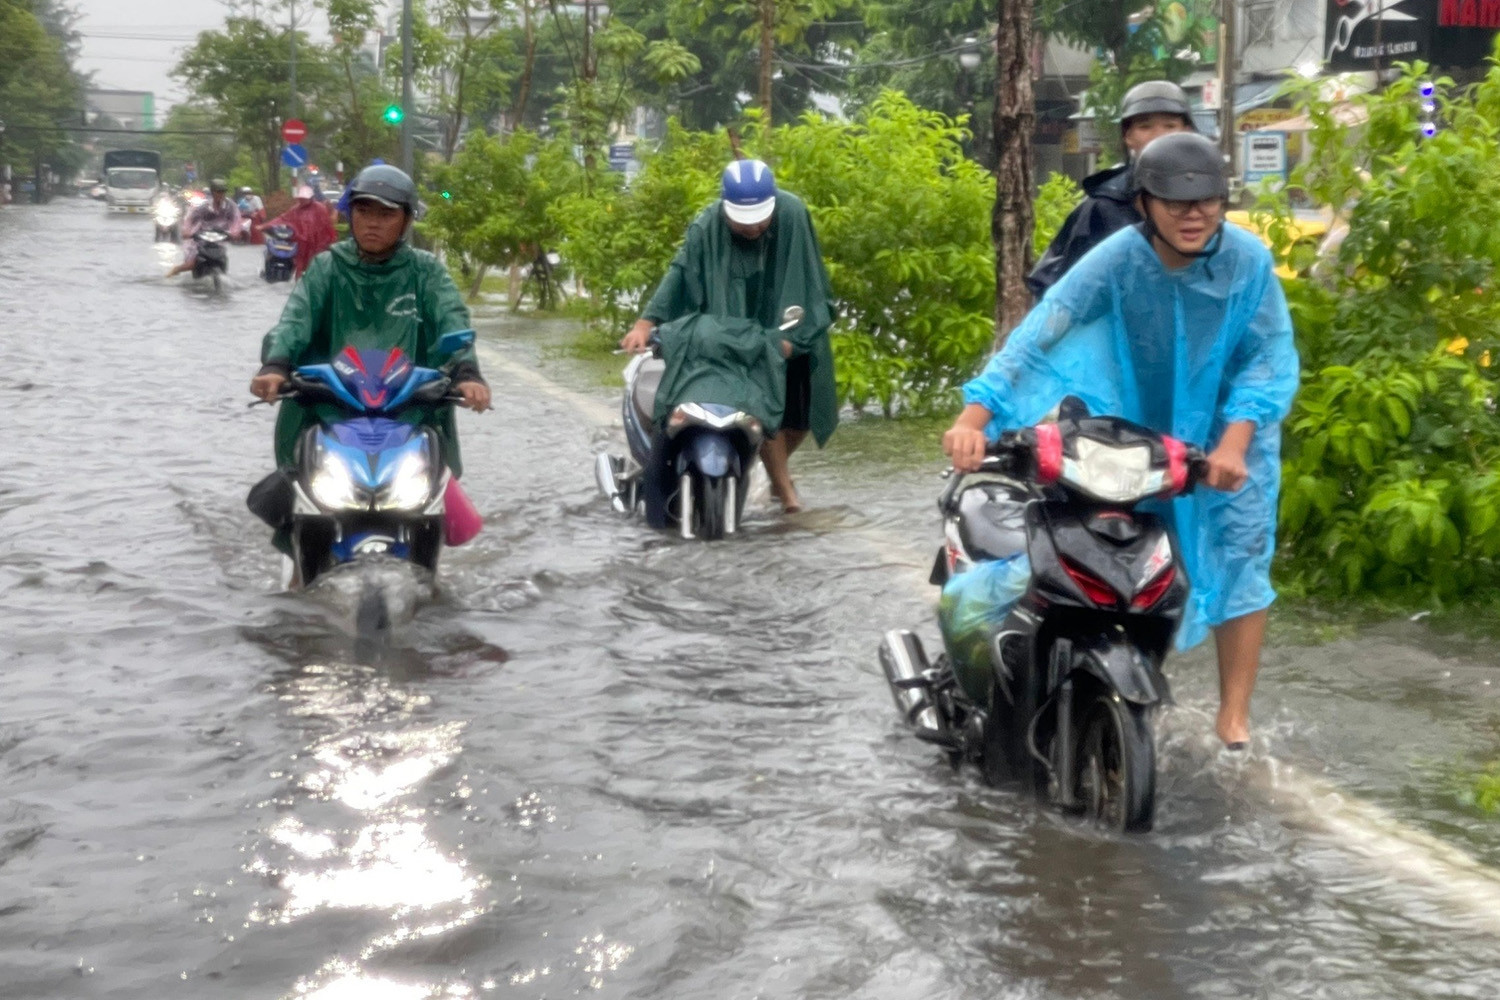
[
  {"x": 790, "y": 502},
  {"x": 1234, "y": 732}
]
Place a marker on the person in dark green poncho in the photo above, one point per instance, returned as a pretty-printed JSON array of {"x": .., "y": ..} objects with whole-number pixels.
[
  {"x": 750, "y": 255},
  {"x": 373, "y": 291}
]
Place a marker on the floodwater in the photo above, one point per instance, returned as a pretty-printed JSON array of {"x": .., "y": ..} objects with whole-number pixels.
[{"x": 603, "y": 762}]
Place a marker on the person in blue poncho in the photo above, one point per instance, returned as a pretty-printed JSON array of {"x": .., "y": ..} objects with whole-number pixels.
[{"x": 1179, "y": 324}]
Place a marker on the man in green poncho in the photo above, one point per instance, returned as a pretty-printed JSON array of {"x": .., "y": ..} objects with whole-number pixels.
[
  {"x": 373, "y": 291},
  {"x": 749, "y": 256}
]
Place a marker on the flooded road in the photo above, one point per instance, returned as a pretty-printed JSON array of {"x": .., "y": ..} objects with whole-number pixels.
[{"x": 604, "y": 762}]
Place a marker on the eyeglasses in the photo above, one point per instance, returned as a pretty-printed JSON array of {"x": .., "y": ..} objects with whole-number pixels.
[{"x": 1179, "y": 209}]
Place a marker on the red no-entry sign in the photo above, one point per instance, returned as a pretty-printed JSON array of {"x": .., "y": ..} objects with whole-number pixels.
[{"x": 294, "y": 130}]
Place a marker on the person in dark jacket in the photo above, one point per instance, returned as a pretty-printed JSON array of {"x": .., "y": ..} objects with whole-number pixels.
[{"x": 1149, "y": 109}]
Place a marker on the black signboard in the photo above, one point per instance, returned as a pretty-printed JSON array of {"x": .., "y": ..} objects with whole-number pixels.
[
  {"x": 1365, "y": 34},
  {"x": 1375, "y": 34}
]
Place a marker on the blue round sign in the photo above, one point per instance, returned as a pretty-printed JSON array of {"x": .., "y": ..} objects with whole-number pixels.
[{"x": 294, "y": 155}]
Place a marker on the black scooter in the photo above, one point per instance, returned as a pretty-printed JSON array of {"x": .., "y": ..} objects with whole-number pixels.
[
  {"x": 1060, "y": 695},
  {"x": 213, "y": 256},
  {"x": 711, "y": 452}
]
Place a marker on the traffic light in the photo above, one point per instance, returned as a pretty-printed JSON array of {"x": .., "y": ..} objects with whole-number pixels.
[
  {"x": 393, "y": 114},
  {"x": 448, "y": 195}
]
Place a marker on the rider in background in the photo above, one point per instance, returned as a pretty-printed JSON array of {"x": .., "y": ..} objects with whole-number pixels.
[
  {"x": 750, "y": 255},
  {"x": 219, "y": 212},
  {"x": 1178, "y": 324},
  {"x": 311, "y": 226},
  {"x": 1149, "y": 109}
]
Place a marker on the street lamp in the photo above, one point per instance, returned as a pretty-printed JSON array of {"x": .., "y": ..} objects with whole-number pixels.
[
  {"x": 969, "y": 60},
  {"x": 969, "y": 57}
]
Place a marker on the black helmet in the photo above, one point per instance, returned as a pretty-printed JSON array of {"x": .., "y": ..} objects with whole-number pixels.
[
  {"x": 218, "y": 186},
  {"x": 386, "y": 184},
  {"x": 1181, "y": 166},
  {"x": 1156, "y": 97}
]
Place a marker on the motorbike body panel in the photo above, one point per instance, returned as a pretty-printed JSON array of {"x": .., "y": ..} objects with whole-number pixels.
[
  {"x": 280, "y": 253},
  {"x": 392, "y": 501}
]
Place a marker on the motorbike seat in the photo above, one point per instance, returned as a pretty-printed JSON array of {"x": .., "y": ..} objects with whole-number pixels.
[
  {"x": 992, "y": 519},
  {"x": 643, "y": 388}
]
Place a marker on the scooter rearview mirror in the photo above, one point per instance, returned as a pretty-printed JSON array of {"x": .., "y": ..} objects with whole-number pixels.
[
  {"x": 454, "y": 341},
  {"x": 791, "y": 317}
]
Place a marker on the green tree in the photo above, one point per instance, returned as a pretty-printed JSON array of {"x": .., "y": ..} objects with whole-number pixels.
[
  {"x": 724, "y": 38},
  {"x": 41, "y": 97},
  {"x": 608, "y": 58},
  {"x": 244, "y": 73},
  {"x": 493, "y": 203},
  {"x": 188, "y": 138},
  {"x": 353, "y": 130}
]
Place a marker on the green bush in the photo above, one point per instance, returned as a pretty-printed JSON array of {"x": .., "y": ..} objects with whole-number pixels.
[
  {"x": 1392, "y": 464},
  {"x": 1054, "y": 201}
]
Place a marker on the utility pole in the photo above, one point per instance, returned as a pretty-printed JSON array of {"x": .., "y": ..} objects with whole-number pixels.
[
  {"x": 406, "y": 109},
  {"x": 294, "y": 77},
  {"x": 1229, "y": 68}
]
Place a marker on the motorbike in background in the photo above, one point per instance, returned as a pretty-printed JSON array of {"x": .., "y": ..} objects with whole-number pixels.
[
  {"x": 168, "y": 218},
  {"x": 712, "y": 450},
  {"x": 1061, "y": 600},
  {"x": 280, "y": 253},
  {"x": 212, "y": 260}
]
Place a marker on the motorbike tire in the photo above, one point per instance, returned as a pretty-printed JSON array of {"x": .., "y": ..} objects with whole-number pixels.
[
  {"x": 1007, "y": 756},
  {"x": 1116, "y": 765},
  {"x": 708, "y": 507}
]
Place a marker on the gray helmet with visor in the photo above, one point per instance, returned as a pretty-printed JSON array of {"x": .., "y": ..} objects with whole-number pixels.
[{"x": 386, "y": 184}]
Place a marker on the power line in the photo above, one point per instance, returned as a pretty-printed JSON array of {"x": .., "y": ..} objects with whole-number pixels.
[{"x": 115, "y": 131}]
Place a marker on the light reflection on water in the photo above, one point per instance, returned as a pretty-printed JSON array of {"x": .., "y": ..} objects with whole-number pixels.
[{"x": 385, "y": 860}]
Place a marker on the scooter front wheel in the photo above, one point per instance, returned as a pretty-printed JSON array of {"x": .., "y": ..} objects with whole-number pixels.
[{"x": 1116, "y": 760}]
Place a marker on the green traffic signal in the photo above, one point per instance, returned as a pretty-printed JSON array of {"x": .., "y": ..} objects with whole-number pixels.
[
  {"x": 448, "y": 195},
  {"x": 393, "y": 114}
]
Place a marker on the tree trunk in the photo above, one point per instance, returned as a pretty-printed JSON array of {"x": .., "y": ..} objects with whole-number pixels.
[
  {"x": 527, "y": 67},
  {"x": 1015, "y": 121},
  {"x": 767, "y": 54},
  {"x": 478, "y": 281}
]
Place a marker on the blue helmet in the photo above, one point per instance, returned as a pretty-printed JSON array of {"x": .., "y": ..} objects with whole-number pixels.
[{"x": 749, "y": 192}]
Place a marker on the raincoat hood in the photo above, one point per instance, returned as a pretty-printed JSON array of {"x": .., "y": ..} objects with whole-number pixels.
[{"x": 1186, "y": 352}]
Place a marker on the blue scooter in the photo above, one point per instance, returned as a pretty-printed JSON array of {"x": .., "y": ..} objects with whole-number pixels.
[{"x": 711, "y": 451}]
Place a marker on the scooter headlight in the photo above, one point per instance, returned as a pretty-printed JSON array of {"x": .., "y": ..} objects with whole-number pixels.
[
  {"x": 410, "y": 488},
  {"x": 333, "y": 486}
]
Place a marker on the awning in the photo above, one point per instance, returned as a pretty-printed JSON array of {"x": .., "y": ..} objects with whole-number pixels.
[{"x": 1248, "y": 96}]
